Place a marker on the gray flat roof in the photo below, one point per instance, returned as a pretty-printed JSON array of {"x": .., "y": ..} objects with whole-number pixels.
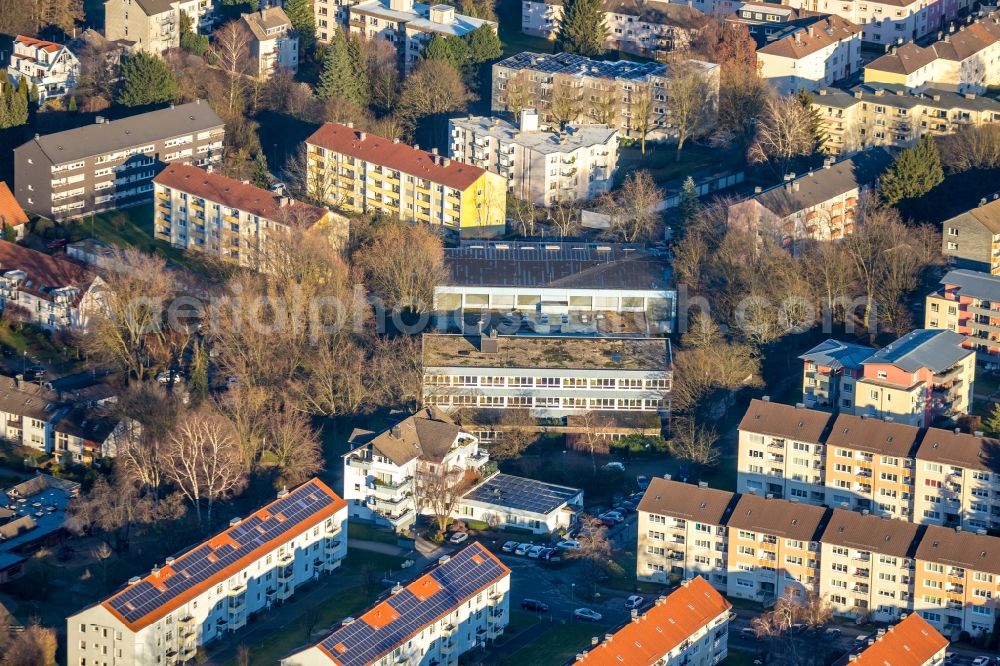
[
  {"x": 99, "y": 138},
  {"x": 419, "y": 18},
  {"x": 973, "y": 283},
  {"x": 571, "y": 138},
  {"x": 39, "y": 506},
  {"x": 836, "y": 354},
  {"x": 923, "y": 348},
  {"x": 574, "y": 64},
  {"x": 898, "y": 96},
  {"x": 521, "y": 494},
  {"x": 554, "y": 264}
]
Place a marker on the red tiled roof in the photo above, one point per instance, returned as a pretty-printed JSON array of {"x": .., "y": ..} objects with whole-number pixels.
[
  {"x": 813, "y": 38},
  {"x": 11, "y": 212},
  {"x": 646, "y": 639},
  {"x": 399, "y": 156},
  {"x": 912, "y": 642},
  {"x": 43, "y": 272},
  {"x": 237, "y": 194},
  {"x": 37, "y": 43}
]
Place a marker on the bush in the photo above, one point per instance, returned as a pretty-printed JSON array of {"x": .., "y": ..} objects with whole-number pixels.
[
  {"x": 638, "y": 444},
  {"x": 477, "y": 525}
]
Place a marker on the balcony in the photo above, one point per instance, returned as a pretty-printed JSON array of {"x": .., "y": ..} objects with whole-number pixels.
[
  {"x": 237, "y": 605},
  {"x": 382, "y": 487},
  {"x": 332, "y": 547},
  {"x": 286, "y": 574},
  {"x": 359, "y": 463}
]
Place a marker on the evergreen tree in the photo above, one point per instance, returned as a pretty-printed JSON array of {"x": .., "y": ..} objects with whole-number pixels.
[
  {"x": 689, "y": 205},
  {"x": 453, "y": 50},
  {"x": 261, "y": 176},
  {"x": 915, "y": 172},
  {"x": 992, "y": 422},
  {"x": 582, "y": 29},
  {"x": 145, "y": 79},
  {"x": 5, "y": 93},
  {"x": 17, "y": 104},
  {"x": 71, "y": 106},
  {"x": 198, "y": 383},
  {"x": 33, "y": 93},
  {"x": 191, "y": 41},
  {"x": 345, "y": 74},
  {"x": 815, "y": 119},
  {"x": 483, "y": 44},
  {"x": 300, "y": 14}
]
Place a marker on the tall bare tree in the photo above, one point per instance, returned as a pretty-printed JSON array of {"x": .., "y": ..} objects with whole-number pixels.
[
  {"x": 232, "y": 50},
  {"x": 519, "y": 93},
  {"x": 784, "y": 132},
  {"x": 402, "y": 265},
  {"x": 294, "y": 446},
  {"x": 35, "y": 646},
  {"x": 787, "y": 646},
  {"x": 147, "y": 414},
  {"x": 595, "y": 547},
  {"x": 438, "y": 488},
  {"x": 631, "y": 209},
  {"x": 567, "y": 100},
  {"x": 688, "y": 103},
  {"x": 604, "y": 103},
  {"x": 641, "y": 113},
  {"x": 693, "y": 444}
]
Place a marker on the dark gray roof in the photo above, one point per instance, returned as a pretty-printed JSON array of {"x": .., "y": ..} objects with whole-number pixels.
[
  {"x": 138, "y": 130},
  {"x": 154, "y": 7},
  {"x": 923, "y": 348},
  {"x": 973, "y": 283},
  {"x": 836, "y": 354},
  {"x": 824, "y": 184},
  {"x": 897, "y": 96},
  {"x": 519, "y": 493},
  {"x": 544, "y": 264}
]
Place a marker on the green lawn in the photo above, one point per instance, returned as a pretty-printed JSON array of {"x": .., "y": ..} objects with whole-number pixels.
[
  {"x": 557, "y": 644},
  {"x": 739, "y": 658},
  {"x": 661, "y": 160},
  {"x": 369, "y": 533},
  {"x": 515, "y": 41}
]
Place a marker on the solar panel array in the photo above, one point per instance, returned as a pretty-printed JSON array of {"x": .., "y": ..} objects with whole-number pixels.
[
  {"x": 516, "y": 492},
  {"x": 467, "y": 572},
  {"x": 206, "y": 562},
  {"x": 572, "y": 63}
]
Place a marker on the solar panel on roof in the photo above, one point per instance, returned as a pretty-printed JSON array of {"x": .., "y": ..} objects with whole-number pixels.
[{"x": 203, "y": 562}]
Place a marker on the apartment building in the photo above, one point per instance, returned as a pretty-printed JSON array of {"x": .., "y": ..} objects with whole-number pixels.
[
  {"x": 607, "y": 92},
  {"x": 781, "y": 451},
  {"x": 544, "y": 168},
  {"x": 407, "y": 24},
  {"x": 956, "y": 482},
  {"x": 922, "y": 377},
  {"x": 87, "y": 434},
  {"x": 109, "y": 165},
  {"x": 51, "y": 68},
  {"x": 459, "y": 605},
  {"x": 552, "y": 377},
  {"x": 885, "y": 114},
  {"x": 381, "y": 469},
  {"x": 689, "y": 626},
  {"x": 958, "y": 580},
  {"x": 767, "y": 22},
  {"x": 819, "y": 205},
  {"x": 829, "y": 372},
  {"x": 49, "y": 291},
  {"x": 363, "y": 173},
  {"x": 230, "y": 220},
  {"x": 868, "y": 565},
  {"x": 29, "y": 413},
  {"x": 812, "y": 56},
  {"x": 650, "y": 29},
  {"x": 274, "y": 44},
  {"x": 971, "y": 239},
  {"x": 154, "y": 25},
  {"x": 11, "y": 213},
  {"x": 962, "y": 60},
  {"x": 682, "y": 533},
  {"x": 890, "y": 21},
  {"x": 214, "y": 587},
  {"x": 966, "y": 304},
  {"x": 555, "y": 287},
  {"x": 914, "y": 637}
]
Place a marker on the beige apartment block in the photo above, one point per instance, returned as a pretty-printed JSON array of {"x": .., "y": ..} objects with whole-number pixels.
[
  {"x": 868, "y": 565},
  {"x": 154, "y": 25},
  {"x": 889, "y": 21},
  {"x": 957, "y": 484},
  {"x": 682, "y": 533},
  {"x": 274, "y": 44},
  {"x": 773, "y": 548},
  {"x": 883, "y": 114},
  {"x": 957, "y": 580},
  {"x": 781, "y": 451}
]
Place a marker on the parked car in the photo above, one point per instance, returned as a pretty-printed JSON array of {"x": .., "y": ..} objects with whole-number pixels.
[
  {"x": 535, "y": 605},
  {"x": 523, "y": 548},
  {"x": 611, "y": 518},
  {"x": 535, "y": 551},
  {"x": 164, "y": 378},
  {"x": 568, "y": 544},
  {"x": 633, "y": 601},
  {"x": 626, "y": 507},
  {"x": 614, "y": 467},
  {"x": 832, "y": 633},
  {"x": 861, "y": 639},
  {"x": 459, "y": 537},
  {"x": 587, "y": 615},
  {"x": 509, "y": 546},
  {"x": 748, "y": 634},
  {"x": 642, "y": 482},
  {"x": 982, "y": 661},
  {"x": 551, "y": 555}
]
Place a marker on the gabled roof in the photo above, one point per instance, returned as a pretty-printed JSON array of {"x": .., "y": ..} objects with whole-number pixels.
[
  {"x": 956, "y": 47},
  {"x": 395, "y": 155},
  {"x": 428, "y": 434},
  {"x": 874, "y": 436},
  {"x": 960, "y": 449},
  {"x": 935, "y": 349},
  {"x": 672, "y": 620},
  {"x": 811, "y": 39},
  {"x": 773, "y": 418},
  {"x": 782, "y": 518},
  {"x": 263, "y": 20},
  {"x": 965, "y": 550},
  {"x": 683, "y": 500},
  {"x": 11, "y": 213},
  {"x": 236, "y": 194},
  {"x": 51, "y": 47},
  {"x": 431, "y": 597},
  {"x": 875, "y": 534},
  {"x": 43, "y": 272},
  {"x": 185, "y": 577},
  {"x": 912, "y": 642},
  {"x": 905, "y": 59},
  {"x": 836, "y": 354},
  {"x": 982, "y": 286},
  {"x": 987, "y": 215}
]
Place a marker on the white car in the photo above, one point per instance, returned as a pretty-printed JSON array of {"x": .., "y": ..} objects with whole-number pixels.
[
  {"x": 523, "y": 548},
  {"x": 535, "y": 551},
  {"x": 164, "y": 378},
  {"x": 459, "y": 537},
  {"x": 612, "y": 516},
  {"x": 568, "y": 544},
  {"x": 587, "y": 615},
  {"x": 509, "y": 546},
  {"x": 633, "y": 602},
  {"x": 614, "y": 467},
  {"x": 981, "y": 661}
]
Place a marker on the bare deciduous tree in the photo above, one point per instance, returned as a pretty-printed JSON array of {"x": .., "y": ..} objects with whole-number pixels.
[
  {"x": 631, "y": 209},
  {"x": 516, "y": 433},
  {"x": 971, "y": 147},
  {"x": 402, "y": 265},
  {"x": 519, "y": 94},
  {"x": 232, "y": 50},
  {"x": 693, "y": 444},
  {"x": 595, "y": 547},
  {"x": 35, "y": 646},
  {"x": 524, "y": 212},
  {"x": 147, "y": 415},
  {"x": 438, "y": 488},
  {"x": 689, "y": 102},
  {"x": 294, "y": 446},
  {"x": 605, "y": 101},
  {"x": 567, "y": 100},
  {"x": 564, "y": 215},
  {"x": 785, "y": 645},
  {"x": 784, "y": 132},
  {"x": 640, "y": 118}
]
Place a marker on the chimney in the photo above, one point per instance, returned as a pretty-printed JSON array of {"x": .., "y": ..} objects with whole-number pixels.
[
  {"x": 795, "y": 186},
  {"x": 444, "y": 559},
  {"x": 758, "y": 189},
  {"x": 434, "y": 151},
  {"x": 635, "y": 613},
  {"x": 529, "y": 120},
  {"x": 283, "y": 492},
  {"x": 350, "y": 124},
  {"x": 445, "y": 161},
  {"x": 155, "y": 571},
  {"x": 982, "y": 202},
  {"x": 169, "y": 561},
  {"x": 17, "y": 380},
  {"x": 594, "y": 640},
  {"x": 361, "y": 136},
  {"x": 395, "y": 431},
  {"x": 489, "y": 344},
  {"x": 282, "y": 201},
  {"x": 765, "y": 398},
  {"x": 396, "y": 140}
]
